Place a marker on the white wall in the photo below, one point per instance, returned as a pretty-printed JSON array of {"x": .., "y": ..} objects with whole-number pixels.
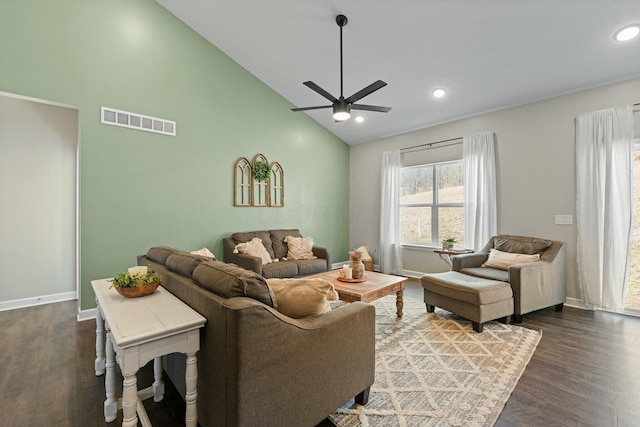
[
  {"x": 535, "y": 170},
  {"x": 37, "y": 199}
]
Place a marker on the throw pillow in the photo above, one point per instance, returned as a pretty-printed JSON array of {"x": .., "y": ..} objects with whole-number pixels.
[
  {"x": 298, "y": 298},
  {"x": 204, "y": 252},
  {"x": 504, "y": 260},
  {"x": 299, "y": 247},
  {"x": 364, "y": 250},
  {"x": 254, "y": 247},
  {"x": 520, "y": 244}
]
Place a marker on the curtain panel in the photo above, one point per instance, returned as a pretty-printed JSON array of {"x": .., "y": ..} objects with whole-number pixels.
[
  {"x": 390, "y": 261},
  {"x": 480, "y": 206},
  {"x": 604, "y": 174}
]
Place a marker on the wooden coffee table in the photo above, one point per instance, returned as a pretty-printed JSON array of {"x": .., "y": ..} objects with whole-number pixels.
[{"x": 376, "y": 286}]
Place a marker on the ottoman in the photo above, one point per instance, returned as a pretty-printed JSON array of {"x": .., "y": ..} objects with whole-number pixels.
[{"x": 479, "y": 300}]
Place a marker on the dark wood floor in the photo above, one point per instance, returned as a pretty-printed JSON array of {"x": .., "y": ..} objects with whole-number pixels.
[{"x": 585, "y": 372}]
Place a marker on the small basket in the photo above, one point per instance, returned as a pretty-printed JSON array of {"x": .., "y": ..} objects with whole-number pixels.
[
  {"x": 139, "y": 291},
  {"x": 368, "y": 264}
]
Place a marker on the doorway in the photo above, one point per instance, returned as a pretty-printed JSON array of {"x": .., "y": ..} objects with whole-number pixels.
[{"x": 38, "y": 202}]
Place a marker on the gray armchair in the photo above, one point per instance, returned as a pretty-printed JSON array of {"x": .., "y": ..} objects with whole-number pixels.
[{"x": 535, "y": 285}]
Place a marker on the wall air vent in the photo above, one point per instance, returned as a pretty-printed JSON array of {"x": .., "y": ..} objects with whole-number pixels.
[{"x": 111, "y": 116}]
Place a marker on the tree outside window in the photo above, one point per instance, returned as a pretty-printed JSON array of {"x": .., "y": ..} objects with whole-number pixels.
[{"x": 431, "y": 203}]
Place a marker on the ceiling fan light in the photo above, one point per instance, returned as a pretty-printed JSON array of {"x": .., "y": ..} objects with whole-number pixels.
[{"x": 341, "y": 112}]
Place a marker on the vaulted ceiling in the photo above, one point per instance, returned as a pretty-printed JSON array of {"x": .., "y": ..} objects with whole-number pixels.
[{"x": 487, "y": 54}]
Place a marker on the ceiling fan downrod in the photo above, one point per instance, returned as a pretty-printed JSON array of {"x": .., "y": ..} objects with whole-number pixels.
[{"x": 341, "y": 20}]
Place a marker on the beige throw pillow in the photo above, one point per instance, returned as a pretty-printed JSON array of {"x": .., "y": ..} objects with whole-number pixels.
[
  {"x": 504, "y": 260},
  {"x": 299, "y": 298},
  {"x": 204, "y": 252},
  {"x": 254, "y": 247},
  {"x": 299, "y": 247},
  {"x": 364, "y": 250}
]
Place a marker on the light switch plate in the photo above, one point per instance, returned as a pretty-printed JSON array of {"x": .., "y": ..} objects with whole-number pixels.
[{"x": 564, "y": 219}]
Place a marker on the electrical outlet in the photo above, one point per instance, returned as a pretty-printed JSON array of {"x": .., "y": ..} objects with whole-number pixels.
[{"x": 564, "y": 219}]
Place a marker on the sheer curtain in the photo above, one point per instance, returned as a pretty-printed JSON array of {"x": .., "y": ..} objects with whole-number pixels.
[
  {"x": 480, "y": 211},
  {"x": 390, "y": 260},
  {"x": 604, "y": 172}
]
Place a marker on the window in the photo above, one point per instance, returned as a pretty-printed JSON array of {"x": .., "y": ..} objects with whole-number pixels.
[{"x": 432, "y": 212}]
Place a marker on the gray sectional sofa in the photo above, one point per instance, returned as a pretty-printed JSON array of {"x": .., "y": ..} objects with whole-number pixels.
[
  {"x": 256, "y": 366},
  {"x": 273, "y": 241}
]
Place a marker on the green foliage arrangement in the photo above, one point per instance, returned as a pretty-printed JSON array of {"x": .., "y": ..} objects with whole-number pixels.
[
  {"x": 126, "y": 280},
  {"x": 449, "y": 240},
  {"x": 261, "y": 170}
]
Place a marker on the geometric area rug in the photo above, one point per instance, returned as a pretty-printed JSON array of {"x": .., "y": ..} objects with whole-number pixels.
[{"x": 432, "y": 369}]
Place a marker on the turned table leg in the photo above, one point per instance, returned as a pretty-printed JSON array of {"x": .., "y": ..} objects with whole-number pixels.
[
  {"x": 99, "y": 363},
  {"x": 191, "y": 396},
  {"x": 129, "y": 400},
  {"x": 399, "y": 302},
  {"x": 158, "y": 384},
  {"x": 111, "y": 403}
]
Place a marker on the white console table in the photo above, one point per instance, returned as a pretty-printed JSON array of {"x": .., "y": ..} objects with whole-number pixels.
[{"x": 137, "y": 331}]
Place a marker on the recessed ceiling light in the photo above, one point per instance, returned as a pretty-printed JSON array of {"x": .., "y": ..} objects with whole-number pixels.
[
  {"x": 439, "y": 92},
  {"x": 627, "y": 33},
  {"x": 359, "y": 119}
]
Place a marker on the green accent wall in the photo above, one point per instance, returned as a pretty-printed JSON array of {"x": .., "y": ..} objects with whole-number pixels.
[{"x": 140, "y": 189}]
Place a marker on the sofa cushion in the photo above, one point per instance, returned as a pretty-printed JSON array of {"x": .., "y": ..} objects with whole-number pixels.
[
  {"x": 160, "y": 254},
  {"x": 262, "y": 235},
  {"x": 280, "y": 269},
  {"x": 487, "y": 273},
  {"x": 184, "y": 263},
  {"x": 299, "y": 298},
  {"x": 229, "y": 280},
  {"x": 280, "y": 247},
  {"x": 299, "y": 247},
  {"x": 520, "y": 244},
  {"x": 307, "y": 267},
  {"x": 254, "y": 247},
  {"x": 504, "y": 260}
]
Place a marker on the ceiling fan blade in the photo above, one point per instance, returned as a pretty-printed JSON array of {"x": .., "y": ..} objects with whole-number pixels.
[
  {"x": 366, "y": 91},
  {"x": 370, "y": 108},
  {"x": 311, "y": 85},
  {"x": 311, "y": 108}
]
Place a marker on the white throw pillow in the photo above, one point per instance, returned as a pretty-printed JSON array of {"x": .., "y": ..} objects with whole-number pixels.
[
  {"x": 299, "y": 298},
  {"x": 204, "y": 252},
  {"x": 254, "y": 247},
  {"x": 299, "y": 247},
  {"x": 504, "y": 260}
]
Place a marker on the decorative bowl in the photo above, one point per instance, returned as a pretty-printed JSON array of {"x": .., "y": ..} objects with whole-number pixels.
[{"x": 139, "y": 291}]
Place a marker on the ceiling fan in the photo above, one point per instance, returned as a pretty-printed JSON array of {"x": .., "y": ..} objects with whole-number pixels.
[{"x": 342, "y": 106}]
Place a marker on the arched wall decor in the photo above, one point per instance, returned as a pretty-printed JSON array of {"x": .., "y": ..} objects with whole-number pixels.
[
  {"x": 258, "y": 183},
  {"x": 243, "y": 177}
]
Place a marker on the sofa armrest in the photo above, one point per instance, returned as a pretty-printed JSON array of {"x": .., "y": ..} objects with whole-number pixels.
[
  {"x": 245, "y": 261},
  {"x": 458, "y": 262},
  {"x": 537, "y": 285},
  {"x": 323, "y": 253},
  {"x": 325, "y": 359}
]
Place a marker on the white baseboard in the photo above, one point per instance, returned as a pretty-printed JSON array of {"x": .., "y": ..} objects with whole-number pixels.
[
  {"x": 87, "y": 314},
  {"x": 33, "y": 301},
  {"x": 575, "y": 303}
]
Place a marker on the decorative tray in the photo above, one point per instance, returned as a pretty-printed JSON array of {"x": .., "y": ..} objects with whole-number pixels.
[{"x": 362, "y": 279}]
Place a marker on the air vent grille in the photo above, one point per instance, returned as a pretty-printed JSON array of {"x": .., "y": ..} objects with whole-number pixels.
[{"x": 111, "y": 116}]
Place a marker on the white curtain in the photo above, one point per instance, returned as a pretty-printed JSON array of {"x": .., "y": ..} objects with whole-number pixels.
[
  {"x": 390, "y": 260},
  {"x": 480, "y": 211},
  {"x": 604, "y": 173}
]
